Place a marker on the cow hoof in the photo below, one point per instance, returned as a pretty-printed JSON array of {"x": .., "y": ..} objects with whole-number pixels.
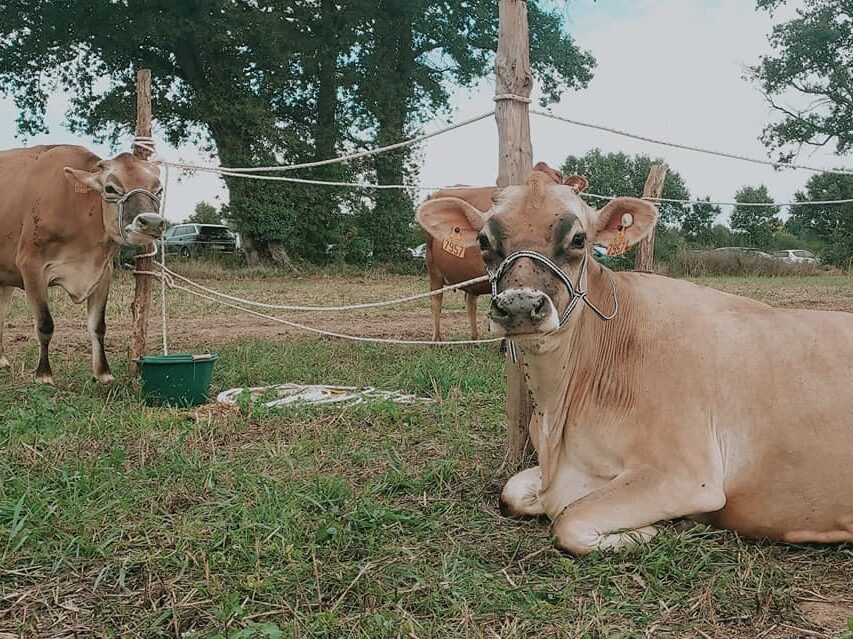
[
  {"x": 45, "y": 379},
  {"x": 4, "y": 363},
  {"x": 105, "y": 378}
]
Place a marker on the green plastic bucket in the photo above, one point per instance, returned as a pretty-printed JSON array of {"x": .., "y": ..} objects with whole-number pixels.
[{"x": 176, "y": 380}]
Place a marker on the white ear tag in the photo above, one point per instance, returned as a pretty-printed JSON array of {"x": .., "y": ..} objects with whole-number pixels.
[{"x": 627, "y": 220}]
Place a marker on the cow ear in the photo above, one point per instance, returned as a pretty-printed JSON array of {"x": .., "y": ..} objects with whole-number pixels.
[
  {"x": 578, "y": 182},
  {"x": 85, "y": 179},
  {"x": 446, "y": 216},
  {"x": 636, "y": 217},
  {"x": 554, "y": 174}
]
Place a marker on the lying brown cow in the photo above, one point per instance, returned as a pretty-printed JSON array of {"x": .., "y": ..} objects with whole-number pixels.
[
  {"x": 446, "y": 267},
  {"x": 63, "y": 215},
  {"x": 656, "y": 398}
]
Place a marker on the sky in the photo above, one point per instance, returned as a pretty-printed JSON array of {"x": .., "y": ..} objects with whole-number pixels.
[{"x": 670, "y": 69}]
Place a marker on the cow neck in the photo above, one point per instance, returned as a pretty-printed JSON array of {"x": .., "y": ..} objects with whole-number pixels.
[{"x": 581, "y": 366}]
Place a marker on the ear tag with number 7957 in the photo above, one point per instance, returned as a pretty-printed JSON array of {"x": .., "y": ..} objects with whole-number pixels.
[{"x": 454, "y": 244}]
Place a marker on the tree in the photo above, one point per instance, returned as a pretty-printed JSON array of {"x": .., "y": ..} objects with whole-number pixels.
[
  {"x": 756, "y": 223},
  {"x": 830, "y": 223},
  {"x": 412, "y": 53},
  {"x": 240, "y": 77},
  {"x": 205, "y": 213},
  {"x": 616, "y": 174},
  {"x": 697, "y": 222},
  {"x": 812, "y": 60},
  {"x": 266, "y": 82}
]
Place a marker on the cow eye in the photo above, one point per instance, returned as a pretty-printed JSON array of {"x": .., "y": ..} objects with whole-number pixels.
[
  {"x": 485, "y": 245},
  {"x": 579, "y": 240},
  {"x": 111, "y": 189}
]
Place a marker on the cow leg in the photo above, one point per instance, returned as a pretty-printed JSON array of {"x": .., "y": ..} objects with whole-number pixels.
[
  {"x": 520, "y": 495},
  {"x": 471, "y": 305},
  {"x": 5, "y": 296},
  {"x": 620, "y": 514},
  {"x": 436, "y": 283},
  {"x": 96, "y": 307},
  {"x": 36, "y": 291}
]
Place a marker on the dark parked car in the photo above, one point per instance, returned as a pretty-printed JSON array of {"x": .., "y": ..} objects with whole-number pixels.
[{"x": 190, "y": 239}]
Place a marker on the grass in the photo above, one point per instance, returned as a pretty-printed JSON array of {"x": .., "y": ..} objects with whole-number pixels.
[{"x": 120, "y": 520}]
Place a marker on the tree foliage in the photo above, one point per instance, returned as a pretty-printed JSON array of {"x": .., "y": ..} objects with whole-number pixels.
[
  {"x": 757, "y": 224},
  {"x": 205, "y": 213},
  {"x": 697, "y": 222},
  {"x": 616, "y": 174},
  {"x": 808, "y": 78},
  {"x": 832, "y": 224},
  {"x": 263, "y": 82}
]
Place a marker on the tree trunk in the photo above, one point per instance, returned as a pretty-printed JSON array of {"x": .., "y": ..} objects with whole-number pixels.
[
  {"x": 326, "y": 135},
  {"x": 395, "y": 56}
]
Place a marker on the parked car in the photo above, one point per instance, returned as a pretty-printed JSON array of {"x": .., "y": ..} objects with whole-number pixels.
[
  {"x": 418, "y": 252},
  {"x": 613, "y": 262},
  {"x": 189, "y": 239},
  {"x": 743, "y": 251},
  {"x": 797, "y": 256}
]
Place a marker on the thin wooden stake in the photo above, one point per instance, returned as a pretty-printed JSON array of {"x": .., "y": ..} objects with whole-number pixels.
[
  {"x": 142, "y": 294},
  {"x": 514, "y": 77},
  {"x": 645, "y": 258}
]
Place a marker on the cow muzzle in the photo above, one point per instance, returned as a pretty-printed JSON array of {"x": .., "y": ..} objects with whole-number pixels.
[
  {"x": 144, "y": 228},
  {"x": 517, "y": 311}
]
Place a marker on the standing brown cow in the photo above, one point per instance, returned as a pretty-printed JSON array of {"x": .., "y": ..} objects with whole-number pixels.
[
  {"x": 446, "y": 268},
  {"x": 63, "y": 216}
]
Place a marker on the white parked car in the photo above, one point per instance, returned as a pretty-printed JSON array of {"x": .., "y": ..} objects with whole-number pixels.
[{"x": 797, "y": 256}]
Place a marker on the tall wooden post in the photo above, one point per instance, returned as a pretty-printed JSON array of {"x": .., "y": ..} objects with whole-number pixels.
[
  {"x": 645, "y": 258},
  {"x": 142, "y": 294},
  {"x": 513, "y": 77}
]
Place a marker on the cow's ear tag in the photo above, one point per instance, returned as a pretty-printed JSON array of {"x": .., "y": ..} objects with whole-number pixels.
[
  {"x": 80, "y": 188},
  {"x": 454, "y": 244},
  {"x": 619, "y": 244}
]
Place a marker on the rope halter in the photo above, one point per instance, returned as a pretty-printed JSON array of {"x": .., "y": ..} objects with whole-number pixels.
[
  {"x": 120, "y": 202},
  {"x": 577, "y": 292}
]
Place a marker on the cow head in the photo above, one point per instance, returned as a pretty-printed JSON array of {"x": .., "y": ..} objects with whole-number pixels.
[
  {"x": 540, "y": 219},
  {"x": 130, "y": 190}
]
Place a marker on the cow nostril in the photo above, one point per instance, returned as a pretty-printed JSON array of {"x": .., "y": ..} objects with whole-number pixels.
[
  {"x": 539, "y": 309},
  {"x": 497, "y": 308},
  {"x": 142, "y": 222}
]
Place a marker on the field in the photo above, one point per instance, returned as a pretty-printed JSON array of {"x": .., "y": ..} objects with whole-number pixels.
[{"x": 119, "y": 520}]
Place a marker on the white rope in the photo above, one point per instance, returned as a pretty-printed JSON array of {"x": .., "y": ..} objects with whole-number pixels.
[
  {"x": 344, "y": 158},
  {"x": 320, "y": 331},
  {"x": 169, "y": 276},
  {"x": 163, "y": 267},
  {"x": 698, "y": 149},
  {"x": 318, "y": 394},
  {"x": 511, "y": 96},
  {"x": 745, "y": 204}
]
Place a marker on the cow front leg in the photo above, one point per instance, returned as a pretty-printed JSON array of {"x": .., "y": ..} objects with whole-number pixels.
[
  {"x": 520, "y": 495},
  {"x": 620, "y": 514},
  {"x": 96, "y": 321},
  {"x": 471, "y": 305},
  {"x": 5, "y": 297},
  {"x": 36, "y": 291}
]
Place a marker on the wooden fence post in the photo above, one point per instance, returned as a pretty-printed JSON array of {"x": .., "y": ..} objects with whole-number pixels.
[
  {"x": 653, "y": 189},
  {"x": 513, "y": 77},
  {"x": 142, "y": 294}
]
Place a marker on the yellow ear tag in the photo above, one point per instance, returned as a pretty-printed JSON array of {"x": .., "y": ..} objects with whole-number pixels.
[
  {"x": 619, "y": 244},
  {"x": 454, "y": 244},
  {"x": 80, "y": 188}
]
